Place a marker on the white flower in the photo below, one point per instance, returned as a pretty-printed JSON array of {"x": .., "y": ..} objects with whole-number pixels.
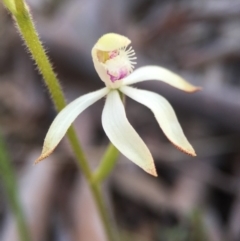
[{"x": 114, "y": 63}]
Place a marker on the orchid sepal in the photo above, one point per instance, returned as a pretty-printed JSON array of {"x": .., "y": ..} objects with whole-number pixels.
[
  {"x": 122, "y": 134},
  {"x": 159, "y": 73},
  {"x": 65, "y": 118},
  {"x": 164, "y": 115}
]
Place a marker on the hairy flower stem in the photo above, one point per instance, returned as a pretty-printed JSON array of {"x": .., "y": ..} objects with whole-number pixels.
[{"x": 28, "y": 32}]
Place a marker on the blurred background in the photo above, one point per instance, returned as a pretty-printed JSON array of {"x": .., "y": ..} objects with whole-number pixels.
[{"x": 193, "y": 199}]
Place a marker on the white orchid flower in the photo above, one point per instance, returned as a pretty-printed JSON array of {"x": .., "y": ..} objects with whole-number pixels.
[{"x": 114, "y": 63}]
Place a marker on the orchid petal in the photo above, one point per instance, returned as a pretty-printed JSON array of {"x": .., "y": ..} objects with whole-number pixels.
[
  {"x": 65, "y": 118},
  {"x": 123, "y": 136},
  {"x": 161, "y": 74},
  {"x": 164, "y": 114}
]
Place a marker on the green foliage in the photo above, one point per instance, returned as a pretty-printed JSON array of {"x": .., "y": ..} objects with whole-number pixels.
[
  {"x": 7, "y": 174},
  {"x": 192, "y": 229}
]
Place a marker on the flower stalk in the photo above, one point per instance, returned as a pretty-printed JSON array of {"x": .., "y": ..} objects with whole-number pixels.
[
  {"x": 106, "y": 165},
  {"x": 20, "y": 6},
  {"x": 27, "y": 30}
]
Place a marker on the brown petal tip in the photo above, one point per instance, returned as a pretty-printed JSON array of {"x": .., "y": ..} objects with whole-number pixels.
[
  {"x": 154, "y": 174},
  {"x": 189, "y": 152},
  {"x": 42, "y": 157},
  {"x": 195, "y": 89},
  {"x": 152, "y": 171},
  {"x": 193, "y": 154}
]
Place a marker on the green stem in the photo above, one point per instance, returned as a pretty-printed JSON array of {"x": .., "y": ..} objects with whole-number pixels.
[
  {"x": 20, "y": 6},
  {"x": 10, "y": 5},
  {"x": 106, "y": 165},
  {"x": 103, "y": 210},
  {"x": 29, "y": 34},
  {"x": 9, "y": 179}
]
